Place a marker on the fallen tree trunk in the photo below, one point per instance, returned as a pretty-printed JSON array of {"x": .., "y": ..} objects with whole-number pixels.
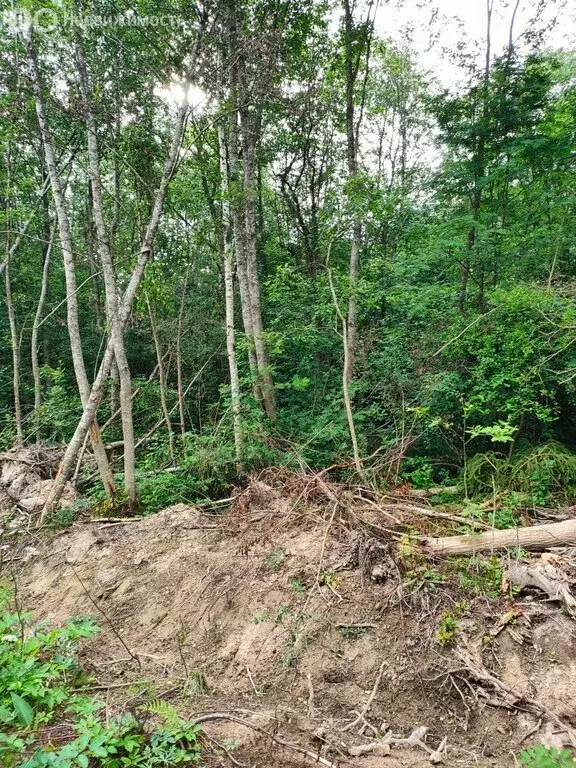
[{"x": 533, "y": 537}]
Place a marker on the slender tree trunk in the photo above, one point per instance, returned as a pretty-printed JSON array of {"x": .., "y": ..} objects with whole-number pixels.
[
  {"x": 179, "y": 383},
  {"x": 238, "y": 230},
  {"x": 103, "y": 247},
  {"x": 114, "y": 391},
  {"x": 14, "y": 340},
  {"x": 15, "y": 346},
  {"x": 352, "y": 152},
  {"x": 161, "y": 379},
  {"x": 67, "y": 465},
  {"x": 479, "y": 171},
  {"x": 69, "y": 269},
  {"x": 345, "y": 380},
  {"x": 249, "y": 199},
  {"x": 229, "y": 287},
  {"x": 35, "y": 329}
]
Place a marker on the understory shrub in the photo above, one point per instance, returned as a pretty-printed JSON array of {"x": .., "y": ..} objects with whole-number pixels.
[
  {"x": 544, "y": 472},
  {"x": 47, "y": 723}
]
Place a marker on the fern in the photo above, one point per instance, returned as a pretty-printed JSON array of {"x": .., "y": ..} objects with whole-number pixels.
[{"x": 167, "y": 712}]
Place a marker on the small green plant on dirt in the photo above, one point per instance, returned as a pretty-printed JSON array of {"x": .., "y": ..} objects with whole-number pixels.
[
  {"x": 298, "y": 638},
  {"x": 262, "y": 617},
  {"x": 352, "y": 632},
  {"x": 408, "y": 547},
  {"x": 297, "y": 587},
  {"x": 275, "y": 559},
  {"x": 423, "y": 577},
  {"x": 329, "y": 579},
  {"x": 448, "y": 626},
  {"x": 477, "y": 575},
  {"x": 229, "y": 744},
  {"x": 543, "y": 757},
  {"x": 283, "y": 610},
  {"x": 65, "y": 516},
  {"x": 39, "y": 681}
]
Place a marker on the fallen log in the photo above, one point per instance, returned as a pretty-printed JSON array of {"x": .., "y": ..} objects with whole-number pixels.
[{"x": 532, "y": 537}]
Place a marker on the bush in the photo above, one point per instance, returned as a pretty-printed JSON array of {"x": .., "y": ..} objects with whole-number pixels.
[
  {"x": 544, "y": 472},
  {"x": 38, "y": 672},
  {"x": 542, "y": 757}
]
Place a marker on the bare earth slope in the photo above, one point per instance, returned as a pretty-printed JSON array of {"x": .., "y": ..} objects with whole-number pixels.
[{"x": 296, "y": 621}]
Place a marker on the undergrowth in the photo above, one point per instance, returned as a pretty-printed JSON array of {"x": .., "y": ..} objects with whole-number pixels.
[
  {"x": 47, "y": 723},
  {"x": 542, "y": 473},
  {"x": 543, "y": 757}
]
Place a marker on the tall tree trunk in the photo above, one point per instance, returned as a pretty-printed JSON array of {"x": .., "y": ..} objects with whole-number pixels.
[
  {"x": 67, "y": 465},
  {"x": 352, "y": 158},
  {"x": 179, "y": 383},
  {"x": 35, "y": 329},
  {"x": 479, "y": 170},
  {"x": 14, "y": 340},
  {"x": 110, "y": 286},
  {"x": 238, "y": 230},
  {"x": 229, "y": 288},
  {"x": 15, "y": 346},
  {"x": 69, "y": 269},
  {"x": 161, "y": 379},
  {"x": 253, "y": 282}
]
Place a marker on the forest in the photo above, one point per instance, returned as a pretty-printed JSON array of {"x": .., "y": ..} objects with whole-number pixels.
[
  {"x": 261, "y": 236},
  {"x": 262, "y": 250}
]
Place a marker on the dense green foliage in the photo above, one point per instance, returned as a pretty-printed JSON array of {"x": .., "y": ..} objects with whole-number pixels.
[
  {"x": 542, "y": 757},
  {"x": 465, "y": 363},
  {"x": 45, "y": 723}
]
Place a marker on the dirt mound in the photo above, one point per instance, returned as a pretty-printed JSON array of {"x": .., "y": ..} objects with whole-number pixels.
[{"x": 285, "y": 607}]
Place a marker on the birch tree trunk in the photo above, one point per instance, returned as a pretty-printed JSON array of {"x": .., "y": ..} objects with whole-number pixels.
[
  {"x": 236, "y": 209},
  {"x": 67, "y": 465},
  {"x": 229, "y": 288},
  {"x": 35, "y": 329},
  {"x": 69, "y": 268},
  {"x": 115, "y": 327},
  {"x": 253, "y": 283},
  {"x": 15, "y": 347}
]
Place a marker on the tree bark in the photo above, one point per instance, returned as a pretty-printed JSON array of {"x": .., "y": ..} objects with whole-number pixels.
[
  {"x": 229, "y": 289},
  {"x": 69, "y": 268},
  {"x": 179, "y": 384},
  {"x": 66, "y": 467},
  {"x": 253, "y": 282},
  {"x": 116, "y": 328},
  {"x": 35, "y": 329},
  {"x": 238, "y": 231},
  {"x": 15, "y": 346},
  {"x": 352, "y": 158},
  {"x": 534, "y": 537}
]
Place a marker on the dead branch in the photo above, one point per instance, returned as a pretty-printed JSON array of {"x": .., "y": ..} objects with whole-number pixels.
[
  {"x": 213, "y": 716},
  {"x": 503, "y": 695},
  {"x": 532, "y": 537},
  {"x": 362, "y": 715},
  {"x": 545, "y": 577}
]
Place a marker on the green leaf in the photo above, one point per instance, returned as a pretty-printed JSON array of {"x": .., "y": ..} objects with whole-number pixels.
[{"x": 23, "y": 710}]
